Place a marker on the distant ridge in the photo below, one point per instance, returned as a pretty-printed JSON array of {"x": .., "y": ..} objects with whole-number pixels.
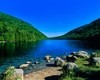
[
  {"x": 87, "y": 32},
  {"x": 13, "y": 29}
]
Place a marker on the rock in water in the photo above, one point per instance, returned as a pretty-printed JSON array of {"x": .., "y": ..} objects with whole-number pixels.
[
  {"x": 70, "y": 67},
  {"x": 24, "y": 65},
  {"x": 59, "y": 62},
  {"x": 47, "y": 57},
  {"x": 28, "y": 62},
  {"x": 13, "y": 74},
  {"x": 36, "y": 62},
  {"x": 52, "y": 59}
]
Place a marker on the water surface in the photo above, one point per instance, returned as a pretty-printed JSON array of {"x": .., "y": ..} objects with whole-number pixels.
[{"x": 15, "y": 54}]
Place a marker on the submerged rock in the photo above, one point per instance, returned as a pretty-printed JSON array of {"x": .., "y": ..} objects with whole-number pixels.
[
  {"x": 33, "y": 64},
  {"x": 65, "y": 53},
  {"x": 59, "y": 62},
  {"x": 70, "y": 67}
]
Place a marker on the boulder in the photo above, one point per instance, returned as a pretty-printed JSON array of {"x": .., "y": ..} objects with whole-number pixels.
[
  {"x": 59, "y": 62},
  {"x": 70, "y": 67},
  {"x": 13, "y": 74},
  {"x": 24, "y": 65},
  {"x": 96, "y": 61},
  {"x": 52, "y": 59},
  {"x": 81, "y": 54},
  {"x": 47, "y": 57}
]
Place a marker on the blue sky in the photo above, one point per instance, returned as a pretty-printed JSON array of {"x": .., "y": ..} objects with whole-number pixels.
[{"x": 53, "y": 17}]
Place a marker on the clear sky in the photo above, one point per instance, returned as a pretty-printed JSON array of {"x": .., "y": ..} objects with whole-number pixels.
[{"x": 53, "y": 17}]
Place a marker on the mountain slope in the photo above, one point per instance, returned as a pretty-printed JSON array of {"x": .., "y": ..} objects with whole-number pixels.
[
  {"x": 87, "y": 32},
  {"x": 13, "y": 29}
]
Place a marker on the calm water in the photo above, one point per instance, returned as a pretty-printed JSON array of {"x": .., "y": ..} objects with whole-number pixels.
[{"x": 15, "y": 54}]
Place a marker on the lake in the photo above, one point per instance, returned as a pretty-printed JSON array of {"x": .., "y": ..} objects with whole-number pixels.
[{"x": 15, "y": 54}]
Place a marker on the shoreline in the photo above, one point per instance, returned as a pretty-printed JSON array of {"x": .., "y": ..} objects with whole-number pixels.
[
  {"x": 38, "y": 67},
  {"x": 49, "y": 73}
]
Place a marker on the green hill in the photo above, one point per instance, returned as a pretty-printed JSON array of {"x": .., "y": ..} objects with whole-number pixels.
[
  {"x": 13, "y": 29},
  {"x": 87, "y": 32}
]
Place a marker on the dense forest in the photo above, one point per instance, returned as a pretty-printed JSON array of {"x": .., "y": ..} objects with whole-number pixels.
[
  {"x": 13, "y": 29},
  {"x": 87, "y": 32}
]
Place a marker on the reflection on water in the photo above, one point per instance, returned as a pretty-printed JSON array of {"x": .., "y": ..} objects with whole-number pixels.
[
  {"x": 45, "y": 47},
  {"x": 10, "y": 50},
  {"x": 18, "y": 53}
]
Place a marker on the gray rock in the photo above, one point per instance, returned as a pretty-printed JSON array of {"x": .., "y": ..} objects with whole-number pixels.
[
  {"x": 70, "y": 67},
  {"x": 96, "y": 61},
  {"x": 81, "y": 54},
  {"x": 15, "y": 73},
  {"x": 59, "y": 62}
]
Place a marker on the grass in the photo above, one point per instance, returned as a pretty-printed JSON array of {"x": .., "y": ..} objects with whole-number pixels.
[{"x": 85, "y": 72}]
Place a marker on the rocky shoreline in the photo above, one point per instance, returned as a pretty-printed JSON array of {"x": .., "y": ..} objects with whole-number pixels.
[{"x": 51, "y": 66}]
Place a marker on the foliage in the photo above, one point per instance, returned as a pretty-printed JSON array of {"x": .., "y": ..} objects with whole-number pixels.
[
  {"x": 9, "y": 74},
  {"x": 13, "y": 29},
  {"x": 85, "y": 72},
  {"x": 87, "y": 32}
]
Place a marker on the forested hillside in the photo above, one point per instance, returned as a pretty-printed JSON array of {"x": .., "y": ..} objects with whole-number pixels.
[
  {"x": 87, "y": 32},
  {"x": 13, "y": 29}
]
